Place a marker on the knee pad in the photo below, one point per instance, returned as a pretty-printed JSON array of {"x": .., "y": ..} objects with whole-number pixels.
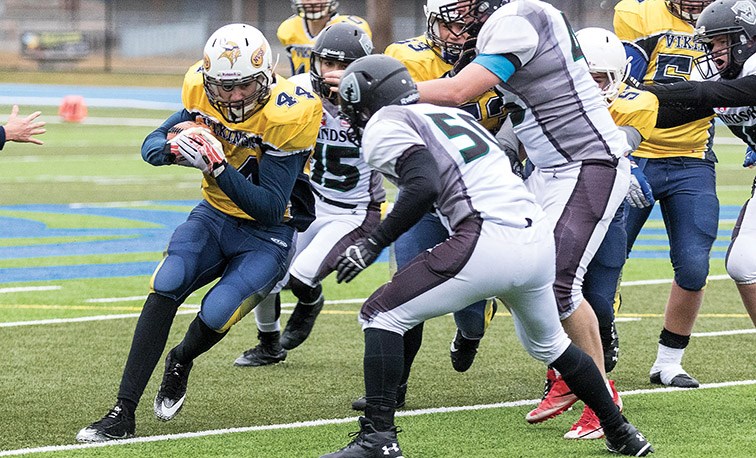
[
  {"x": 223, "y": 309},
  {"x": 169, "y": 277},
  {"x": 691, "y": 276}
]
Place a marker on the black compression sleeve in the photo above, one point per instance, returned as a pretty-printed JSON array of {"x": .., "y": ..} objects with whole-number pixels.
[
  {"x": 740, "y": 92},
  {"x": 673, "y": 116},
  {"x": 419, "y": 187}
]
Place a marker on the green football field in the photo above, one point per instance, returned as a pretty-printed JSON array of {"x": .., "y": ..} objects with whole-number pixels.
[{"x": 83, "y": 221}]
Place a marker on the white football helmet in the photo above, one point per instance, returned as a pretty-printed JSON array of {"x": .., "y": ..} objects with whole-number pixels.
[
  {"x": 449, "y": 50},
  {"x": 604, "y": 53},
  {"x": 314, "y": 10},
  {"x": 237, "y": 55}
]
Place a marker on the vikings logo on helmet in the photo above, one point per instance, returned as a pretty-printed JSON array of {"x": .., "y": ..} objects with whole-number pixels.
[
  {"x": 258, "y": 57},
  {"x": 745, "y": 12},
  {"x": 231, "y": 52}
]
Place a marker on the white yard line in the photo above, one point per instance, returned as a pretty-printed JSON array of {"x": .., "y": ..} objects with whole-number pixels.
[
  {"x": 24, "y": 289},
  {"x": 289, "y": 305},
  {"x": 332, "y": 421},
  {"x": 724, "y": 333}
]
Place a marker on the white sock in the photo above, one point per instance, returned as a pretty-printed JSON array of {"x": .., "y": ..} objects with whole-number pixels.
[
  {"x": 667, "y": 357},
  {"x": 265, "y": 315}
]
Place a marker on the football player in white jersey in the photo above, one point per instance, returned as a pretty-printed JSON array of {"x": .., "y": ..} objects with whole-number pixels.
[
  {"x": 728, "y": 30},
  {"x": 501, "y": 245},
  {"x": 581, "y": 173},
  {"x": 348, "y": 193}
]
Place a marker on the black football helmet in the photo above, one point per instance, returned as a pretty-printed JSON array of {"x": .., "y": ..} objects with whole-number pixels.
[
  {"x": 341, "y": 42},
  {"x": 472, "y": 12},
  {"x": 737, "y": 20},
  {"x": 369, "y": 84},
  {"x": 687, "y": 10}
]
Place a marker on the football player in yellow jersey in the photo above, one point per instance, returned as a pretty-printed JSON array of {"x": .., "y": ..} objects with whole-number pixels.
[
  {"x": 679, "y": 164},
  {"x": 255, "y": 197},
  {"x": 427, "y": 57},
  {"x": 298, "y": 32}
]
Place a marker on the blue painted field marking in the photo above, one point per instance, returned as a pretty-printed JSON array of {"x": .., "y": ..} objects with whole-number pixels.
[{"x": 165, "y": 216}]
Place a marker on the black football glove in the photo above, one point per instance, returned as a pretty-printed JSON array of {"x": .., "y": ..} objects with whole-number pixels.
[
  {"x": 465, "y": 56},
  {"x": 356, "y": 258}
]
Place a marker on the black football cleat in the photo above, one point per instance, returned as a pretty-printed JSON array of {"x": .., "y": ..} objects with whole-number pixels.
[
  {"x": 267, "y": 352},
  {"x": 300, "y": 323},
  {"x": 116, "y": 424},
  {"x": 627, "y": 440},
  {"x": 172, "y": 392},
  {"x": 369, "y": 443},
  {"x": 675, "y": 376},
  {"x": 463, "y": 352}
]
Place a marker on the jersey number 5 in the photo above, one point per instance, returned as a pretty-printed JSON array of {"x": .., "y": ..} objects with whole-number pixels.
[{"x": 480, "y": 138}]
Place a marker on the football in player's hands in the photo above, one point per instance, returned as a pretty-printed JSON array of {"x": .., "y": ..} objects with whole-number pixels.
[
  {"x": 199, "y": 148},
  {"x": 173, "y": 157}
]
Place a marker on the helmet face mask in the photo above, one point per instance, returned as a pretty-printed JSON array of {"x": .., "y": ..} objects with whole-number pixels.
[
  {"x": 687, "y": 10},
  {"x": 340, "y": 44},
  {"x": 473, "y": 13},
  {"x": 237, "y": 71},
  {"x": 314, "y": 10},
  {"x": 369, "y": 84},
  {"x": 445, "y": 35},
  {"x": 727, "y": 29},
  {"x": 606, "y": 57}
]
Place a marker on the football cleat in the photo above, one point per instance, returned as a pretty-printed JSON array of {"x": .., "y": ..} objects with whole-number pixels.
[
  {"x": 300, "y": 323},
  {"x": 463, "y": 351},
  {"x": 673, "y": 375},
  {"x": 267, "y": 352},
  {"x": 401, "y": 395},
  {"x": 588, "y": 426},
  {"x": 557, "y": 399},
  {"x": 172, "y": 393},
  {"x": 369, "y": 443},
  {"x": 627, "y": 440},
  {"x": 116, "y": 424}
]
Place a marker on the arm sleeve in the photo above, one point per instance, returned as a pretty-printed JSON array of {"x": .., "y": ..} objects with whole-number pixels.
[
  {"x": 673, "y": 116},
  {"x": 2, "y": 137},
  {"x": 155, "y": 150},
  {"x": 267, "y": 201},
  {"x": 634, "y": 137},
  {"x": 418, "y": 191},
  {"x": 740, "y": 92}
]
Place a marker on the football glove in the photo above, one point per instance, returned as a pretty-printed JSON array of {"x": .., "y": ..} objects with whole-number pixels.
[
  {"x": 356, "y": 258},
  {"x": 465, "y": 56},
  {"x": 639, "y": 195},
  {"x": 200, "y": 149},
  {"x": 750, "y": 158}
]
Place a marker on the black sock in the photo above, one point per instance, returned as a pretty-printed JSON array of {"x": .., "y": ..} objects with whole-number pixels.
[
  {"x": 413, "y": 339},
  {"x": 199, "y": 338},
  {"x": 147, "y": 345},
  {"x": 383, "y": 365},
  {"x": 672, "y": 340},
  {"x": 584, "y": 379}
]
